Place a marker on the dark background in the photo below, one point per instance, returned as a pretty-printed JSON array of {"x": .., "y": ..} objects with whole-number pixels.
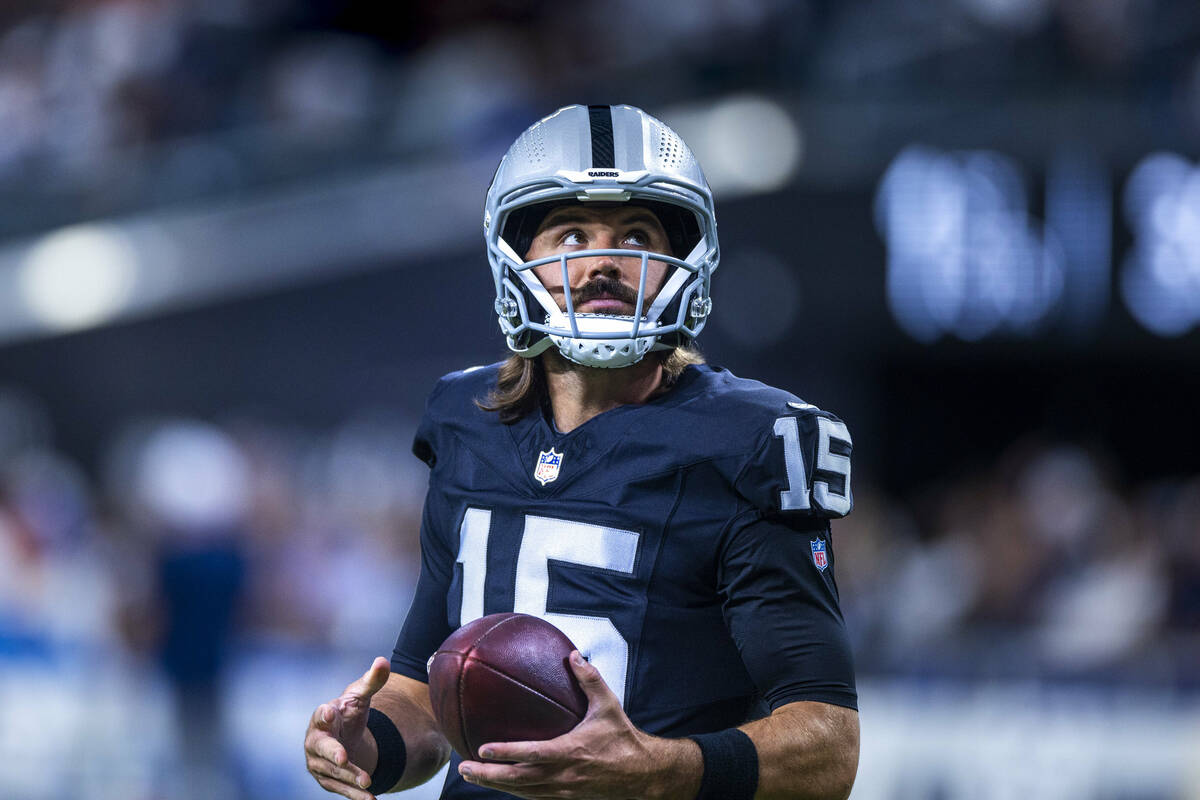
[{"x": 208, "y": 512}]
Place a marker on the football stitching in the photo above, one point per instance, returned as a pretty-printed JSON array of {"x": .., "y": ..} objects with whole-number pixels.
[
  {"x": 469, "y": 655},
  {"x": 462, "y": 720},
  {"x": 522, "y": 684},
  {"x": 483, "y": 635}
]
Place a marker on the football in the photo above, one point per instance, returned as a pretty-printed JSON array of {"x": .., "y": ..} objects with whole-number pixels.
[{"x": 504, "y": 678}]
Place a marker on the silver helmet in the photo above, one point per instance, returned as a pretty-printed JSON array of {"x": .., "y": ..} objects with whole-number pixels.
[{"x": 607, "y": 154}]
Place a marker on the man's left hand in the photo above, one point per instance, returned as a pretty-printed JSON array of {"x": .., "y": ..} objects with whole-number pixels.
[{"x": 604, "y": 756}]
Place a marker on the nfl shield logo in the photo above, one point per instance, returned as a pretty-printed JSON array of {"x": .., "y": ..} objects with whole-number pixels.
[
  {"x": 547, "y": 467},
  {"x": 818, "y": 551}
]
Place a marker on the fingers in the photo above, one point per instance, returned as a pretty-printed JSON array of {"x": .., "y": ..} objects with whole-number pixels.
[
  {"x": 321, "y": 739},
  {"x": 543, "y": 752},
  {"x": 329, "y": 763},
  {"x": 344, "y": 789},
  {"x": 525, "y": 752},
  {"x": 371, "y": 681},
  {"x": 349, "y": 774},
  {"x": 325, "y": 717},
  {"x": 327, "y": 758},
  {"x": 322, "y": 745},
  {"x": 590, "y": 681},
  {"x": 518, "y": 778}
]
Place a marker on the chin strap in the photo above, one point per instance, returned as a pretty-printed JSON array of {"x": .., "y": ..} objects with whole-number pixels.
[{"x": 534, "y": 350}]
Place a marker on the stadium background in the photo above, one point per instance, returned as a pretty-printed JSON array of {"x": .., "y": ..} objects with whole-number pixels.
[{"x": 240, "y": 240}]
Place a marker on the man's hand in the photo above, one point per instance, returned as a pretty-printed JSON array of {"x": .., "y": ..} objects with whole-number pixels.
[
  {"x": 341, "y": 755},
  {"x": 604, "y": 756}
]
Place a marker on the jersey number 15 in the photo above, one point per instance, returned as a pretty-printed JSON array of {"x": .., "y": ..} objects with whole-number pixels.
[
  {"x": 545, "y": 540},
  {"x": 799, "y": 495}
]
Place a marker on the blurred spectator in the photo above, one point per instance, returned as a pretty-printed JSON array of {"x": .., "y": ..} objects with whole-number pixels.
[
  {"x": 1170, "y": 511},
  {"x": 324, "y": 86},
  {"x": 1036, "y": 567},
  {"x": 189, "y": 488}
]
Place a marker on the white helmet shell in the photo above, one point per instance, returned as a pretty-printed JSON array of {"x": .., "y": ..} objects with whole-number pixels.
[{"x": 601, "y": 154}]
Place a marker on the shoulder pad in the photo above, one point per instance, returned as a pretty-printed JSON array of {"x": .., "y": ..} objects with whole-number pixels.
[
  {"x": 800, "y": 465},
  {"x": 451, "y": 401}
]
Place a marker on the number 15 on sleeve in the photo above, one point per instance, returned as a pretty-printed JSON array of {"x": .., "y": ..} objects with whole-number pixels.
[{"x": 829, "y": 489}]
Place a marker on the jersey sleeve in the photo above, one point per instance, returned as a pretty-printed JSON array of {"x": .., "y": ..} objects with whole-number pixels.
[
  {"x": 780, "y": 603},
  {"x": 799, "y": 467},
  {"x": 427, "y": 624}
]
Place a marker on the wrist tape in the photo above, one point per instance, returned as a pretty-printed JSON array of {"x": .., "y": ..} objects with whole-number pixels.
[
  {"x": 730, "y": 765},
  {"x": 393, "y": 755}
]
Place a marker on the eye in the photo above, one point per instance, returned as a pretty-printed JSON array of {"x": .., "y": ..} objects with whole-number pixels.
[
  {"x": 637, "y": 238},
  {"x": 573, "y": 237}
]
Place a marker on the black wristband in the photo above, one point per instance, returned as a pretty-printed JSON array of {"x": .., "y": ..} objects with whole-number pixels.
[
  {"x": 730, "y": 765},
  {"x": 393, "y": 755}
]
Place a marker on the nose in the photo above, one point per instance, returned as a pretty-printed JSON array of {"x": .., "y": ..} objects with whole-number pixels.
[{"x": 603, "y": 267}]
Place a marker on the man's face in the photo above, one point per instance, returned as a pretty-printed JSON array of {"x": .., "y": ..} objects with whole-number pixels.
[{"x": 600, "y": 284}]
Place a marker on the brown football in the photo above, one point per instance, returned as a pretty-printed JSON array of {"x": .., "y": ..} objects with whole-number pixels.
[{"x": 504, "y": 678}]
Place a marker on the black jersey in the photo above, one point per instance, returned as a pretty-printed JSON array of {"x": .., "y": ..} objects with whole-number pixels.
[{"x": 682, "y": 544}]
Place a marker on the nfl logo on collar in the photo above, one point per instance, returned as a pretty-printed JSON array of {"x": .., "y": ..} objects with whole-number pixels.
[
  {"x": 818, "y": 551},
  {"x": 548, "y": 464}
]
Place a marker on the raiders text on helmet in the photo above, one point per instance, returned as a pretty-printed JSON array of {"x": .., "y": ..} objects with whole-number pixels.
[{"x": 600, "y": 154}]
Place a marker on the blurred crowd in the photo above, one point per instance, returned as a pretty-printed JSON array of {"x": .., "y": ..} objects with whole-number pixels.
[
  {"x": 191, "y": 553},
  {"x": 113, "y": 102},
  {"x": 1041, "y": 564},
  {"x": 208, "y": 96},
  {"x": 174, "y": 612},
  {"x": 195, "y": 538}
]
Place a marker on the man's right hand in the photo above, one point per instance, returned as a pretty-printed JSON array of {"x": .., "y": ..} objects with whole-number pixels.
[{"x": 340, "y": 753}]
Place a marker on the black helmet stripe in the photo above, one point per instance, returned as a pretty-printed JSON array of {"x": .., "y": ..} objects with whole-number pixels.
[{"x": 602, "y": 137}]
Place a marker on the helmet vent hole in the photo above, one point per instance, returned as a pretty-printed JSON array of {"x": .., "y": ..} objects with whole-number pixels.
[
  {"x": 670, "y": 148},
  {"x": 532, "y": 145}
]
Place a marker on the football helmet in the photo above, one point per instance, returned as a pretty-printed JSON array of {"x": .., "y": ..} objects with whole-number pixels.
[{"x": 600, "y": 154}]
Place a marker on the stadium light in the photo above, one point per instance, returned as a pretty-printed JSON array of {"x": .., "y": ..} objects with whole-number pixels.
[
  {"x": 747, "y": 144},
  {"x": 79, "y": 276},
  {"x": 964, "y": 257},
  {"x": 1160, "y": 282}
]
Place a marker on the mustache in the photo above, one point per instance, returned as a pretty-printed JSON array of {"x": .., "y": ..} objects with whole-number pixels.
[{"x": 602, "y": 287}]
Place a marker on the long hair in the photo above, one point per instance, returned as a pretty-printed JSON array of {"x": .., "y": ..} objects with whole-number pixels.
[{"x": 521, "y": 385}]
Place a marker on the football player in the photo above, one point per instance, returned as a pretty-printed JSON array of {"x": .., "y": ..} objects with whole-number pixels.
[{"x": 672, "y": 519}]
